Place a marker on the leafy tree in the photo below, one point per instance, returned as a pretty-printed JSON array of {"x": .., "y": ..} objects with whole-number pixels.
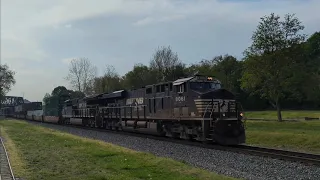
[
  {"x": 312, "y": 57},
  {"x": 109, "y": 82},
  {"x": 313, "y": 46},
  {"x": 138, "y": 77},
  {"x": 46, "y": 99},
  {"x": 273, "y": 64},
  {"x": 58, "y": 91},
  {"x": 53, "y": 102},
  {"x": 204, "y": 67},
  {"x": 6, "y": 80},
  {"x": 76, "y": 94},
  {"x": 226, "y": 68},
  {"x": 81, "y": 74}
]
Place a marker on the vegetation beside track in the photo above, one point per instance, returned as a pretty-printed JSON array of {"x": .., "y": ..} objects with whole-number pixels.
[
  {"x": 300, "y": 136},
  {"x": 272, "y": 115},
  {"x": 42, "y": 153}
]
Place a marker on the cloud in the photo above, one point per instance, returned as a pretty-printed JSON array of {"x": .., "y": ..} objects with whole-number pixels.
[
  {"x": 39, "y": 37},
  {"x": 67, "y": 60},
  {"x": 68, "y": 26},
  {"x": 150, "y": 20}
]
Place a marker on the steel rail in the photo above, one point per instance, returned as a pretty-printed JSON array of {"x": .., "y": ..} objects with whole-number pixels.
[
  {"x": 5, "y": 175},
  {"x": 306, "y": 158}
]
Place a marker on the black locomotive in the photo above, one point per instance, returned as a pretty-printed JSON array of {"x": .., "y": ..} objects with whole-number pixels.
[{"x": 190, "y": 108}]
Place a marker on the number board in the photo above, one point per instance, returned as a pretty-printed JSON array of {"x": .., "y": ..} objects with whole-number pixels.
[{"x": 180, "y": 98}]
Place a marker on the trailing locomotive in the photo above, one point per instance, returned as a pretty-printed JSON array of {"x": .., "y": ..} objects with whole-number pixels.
[{"x": 196, "y": 107}]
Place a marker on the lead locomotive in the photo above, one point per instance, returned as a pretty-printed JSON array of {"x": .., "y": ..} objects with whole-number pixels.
[{"x": 189, "y": 108}]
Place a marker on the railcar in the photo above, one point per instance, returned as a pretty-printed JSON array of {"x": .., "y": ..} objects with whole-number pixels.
[
  {"x": 34, "y": 112},
  {"x": 7, "y": 111},
  {"x": 20, "y": 111},
  {"x": 196, "y": 107}
]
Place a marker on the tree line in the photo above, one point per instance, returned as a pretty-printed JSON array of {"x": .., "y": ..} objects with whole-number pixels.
[{"x": 279, "y": 70}]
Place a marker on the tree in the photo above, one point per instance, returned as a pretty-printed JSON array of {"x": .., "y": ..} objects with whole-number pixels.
[
  {"x": 76, "y": 94},
  {"x": 312, "y": 56},
  {"x": 273, "y": 62},
  {"x": 62, "y": 93},
  {"x": 313, "y": 46},
  {"x": 109, "y": 82},
  {"x": 203, "y": 67},
  {"x": 226, "y": 68},
  {"x": 6, "y": 80},
  {"x": 46, "y": 99},
  {"x": 138, "y": 77},
  {"x": 81, "y": 74},
  {"x": 53, "y": 103},
  {"x": 58, "y": 91},
  {"x": 166, "y": 65}
]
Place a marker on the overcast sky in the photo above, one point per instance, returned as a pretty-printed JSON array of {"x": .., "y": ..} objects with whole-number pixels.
[{"x": 39, "y": 37}]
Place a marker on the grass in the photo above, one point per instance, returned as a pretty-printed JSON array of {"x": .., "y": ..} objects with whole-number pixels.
[
  {"x": 301, "y": 136},
  {"x": 42, "y": 153},
  {"x": 271, "y": 115}
]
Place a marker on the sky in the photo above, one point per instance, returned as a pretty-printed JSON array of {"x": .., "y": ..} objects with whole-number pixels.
[{"x": 40, "y": 37}]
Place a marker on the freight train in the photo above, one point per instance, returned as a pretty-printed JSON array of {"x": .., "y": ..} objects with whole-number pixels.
[{"x": 196, "y": 108}]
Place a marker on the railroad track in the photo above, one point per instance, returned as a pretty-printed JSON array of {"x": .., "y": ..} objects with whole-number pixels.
[
  {"x": 305, "y": 158},
  {"x": 5, "y": 167}
]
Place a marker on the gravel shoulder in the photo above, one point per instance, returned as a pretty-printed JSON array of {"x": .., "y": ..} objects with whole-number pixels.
[{"x": 222, "y": 162}]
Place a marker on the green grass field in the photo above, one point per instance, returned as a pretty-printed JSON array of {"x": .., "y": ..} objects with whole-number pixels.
[
  {"x": 42, "y": 153},
  {"x": 272, "y": 115},
  {"x": 301, "y": 136}
]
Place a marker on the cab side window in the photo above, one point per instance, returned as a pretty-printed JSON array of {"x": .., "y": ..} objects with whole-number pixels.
[{"x": 181, "y": 88}]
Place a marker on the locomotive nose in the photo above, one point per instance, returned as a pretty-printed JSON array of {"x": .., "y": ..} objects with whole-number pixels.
[{"x": 217, "y": 94}]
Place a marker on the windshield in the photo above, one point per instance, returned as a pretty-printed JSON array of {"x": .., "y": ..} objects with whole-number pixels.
[{"x": 200, "y": 86}]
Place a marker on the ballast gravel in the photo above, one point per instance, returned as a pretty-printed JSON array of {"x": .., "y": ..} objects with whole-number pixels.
[{"x": 222, "y": 162}]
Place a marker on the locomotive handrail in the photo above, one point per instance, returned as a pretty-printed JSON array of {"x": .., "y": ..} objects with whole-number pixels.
[
  {"x": 204, "y": 114},
  {"x": 212, "y": 109},
  {"x": 113, "y": 107},
  {"x": 244, "y": 119},
  {"x": 228, "y": 111}
]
